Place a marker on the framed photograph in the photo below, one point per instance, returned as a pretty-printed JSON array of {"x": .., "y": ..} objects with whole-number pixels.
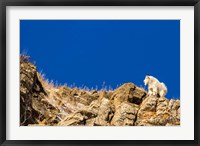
[{"x": 99, "y": 72}]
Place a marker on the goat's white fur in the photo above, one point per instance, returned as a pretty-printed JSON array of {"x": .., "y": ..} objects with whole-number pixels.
[{"x": 155, "y": 87}]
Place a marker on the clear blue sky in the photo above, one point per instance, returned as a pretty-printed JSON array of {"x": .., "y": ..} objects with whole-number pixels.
[{"x": 90, "y": 52}]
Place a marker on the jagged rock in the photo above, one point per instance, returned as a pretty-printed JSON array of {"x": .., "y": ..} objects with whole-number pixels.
[
  {"x": 104, "y": 111},
  {"x": 27, "y": 77},
  {"x": 97, "y": 114},
  {"x": 34, "y": 104},
  {"x": 158, "y": 112},
  {"x": 128, "y": 92},
  {"x": 137, "y": 95},
  {"x": 125, "y": 114},
  {"x": 77, "y": 119},
  {"x": 174, "y": 112}
]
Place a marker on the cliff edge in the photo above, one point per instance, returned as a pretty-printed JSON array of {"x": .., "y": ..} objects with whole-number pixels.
[{"x": 42, "y": 104}]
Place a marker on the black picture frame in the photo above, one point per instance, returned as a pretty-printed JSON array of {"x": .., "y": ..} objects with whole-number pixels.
[{"x": 5, "y": 3}]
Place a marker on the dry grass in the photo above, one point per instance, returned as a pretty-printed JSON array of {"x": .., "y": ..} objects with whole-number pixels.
[
  {"x": 51, "y": 84},
  {"x": 46, "y": 83},
  {"x": 24, "y": 58}
]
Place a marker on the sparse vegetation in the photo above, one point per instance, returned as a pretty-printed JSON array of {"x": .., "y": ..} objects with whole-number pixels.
[
  {"x": 24, "y": 58},
  {"x": 51, "y": 83}
]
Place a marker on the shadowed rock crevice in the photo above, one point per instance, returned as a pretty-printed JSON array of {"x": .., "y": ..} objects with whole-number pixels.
[{"x": 129, "y": 105}]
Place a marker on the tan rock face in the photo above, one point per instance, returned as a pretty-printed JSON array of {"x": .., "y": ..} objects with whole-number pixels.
[
  {"x": 158, "y": 111},
  {"x": 125, "y": 114},
  {"x": 27, "y": 74},
  {"x": 44, "y": 104},
  {"x": 34, "y": 107},
  {"x": 128, "y": 92}
]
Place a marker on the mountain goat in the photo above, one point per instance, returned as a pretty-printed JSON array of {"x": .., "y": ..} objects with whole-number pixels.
[{"x": 155, "y": 87}]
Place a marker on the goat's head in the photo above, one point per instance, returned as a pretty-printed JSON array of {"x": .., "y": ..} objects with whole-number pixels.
[{"x": 146, "y": 80}]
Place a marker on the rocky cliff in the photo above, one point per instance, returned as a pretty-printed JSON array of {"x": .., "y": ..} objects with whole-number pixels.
[{"x": 45, "y": 104}]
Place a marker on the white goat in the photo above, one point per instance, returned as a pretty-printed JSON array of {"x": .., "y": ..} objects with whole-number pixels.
[{"x": 155, "y": 87}]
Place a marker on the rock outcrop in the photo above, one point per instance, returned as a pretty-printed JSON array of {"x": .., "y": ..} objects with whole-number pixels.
[{"x": 44, "y": 104}]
